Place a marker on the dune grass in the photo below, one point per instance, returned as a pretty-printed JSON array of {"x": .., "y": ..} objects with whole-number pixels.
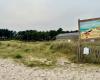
[
  {"x": 37, "y": 53},
  {"x": 94, "y": 55}
]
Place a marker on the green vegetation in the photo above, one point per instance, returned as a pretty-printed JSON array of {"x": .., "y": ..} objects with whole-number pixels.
[
  {"x": 38, "y": 53},
  {"x": 31, "y": 35},
  {"x": 46, "y": 53}
]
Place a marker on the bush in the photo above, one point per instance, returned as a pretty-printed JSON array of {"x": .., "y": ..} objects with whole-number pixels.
[{"x": 18, "y": 56}]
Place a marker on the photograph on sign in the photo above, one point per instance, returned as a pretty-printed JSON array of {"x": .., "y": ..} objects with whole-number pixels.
[{"x": 90, "y": 29}]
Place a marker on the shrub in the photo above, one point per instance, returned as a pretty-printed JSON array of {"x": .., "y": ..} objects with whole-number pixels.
[{"x": 18, "y": 56}]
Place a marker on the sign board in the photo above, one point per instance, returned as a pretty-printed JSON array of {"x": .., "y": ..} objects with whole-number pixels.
[
  {"x": 86, "y": 50},
  {"x": 89, "y": 32},
  {"x": 89, "y": 28}
]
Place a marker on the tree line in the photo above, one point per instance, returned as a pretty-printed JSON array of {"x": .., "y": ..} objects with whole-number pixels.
[{"x": 31, "y": 35}]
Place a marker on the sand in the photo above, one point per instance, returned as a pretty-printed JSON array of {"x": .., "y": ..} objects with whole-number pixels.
[{"x": 9, "y": 70}]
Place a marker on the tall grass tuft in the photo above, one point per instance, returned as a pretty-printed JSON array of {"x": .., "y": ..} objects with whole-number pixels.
[{"x": 64, "y": 47}]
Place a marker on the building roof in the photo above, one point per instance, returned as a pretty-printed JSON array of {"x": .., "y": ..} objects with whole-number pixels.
[{"x": 68, "y": 34}]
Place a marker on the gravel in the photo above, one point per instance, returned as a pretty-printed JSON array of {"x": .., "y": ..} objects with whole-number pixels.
[{"x": 10, "y": 70}]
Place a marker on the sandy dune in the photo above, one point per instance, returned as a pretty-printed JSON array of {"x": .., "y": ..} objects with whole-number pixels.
[{"x": 10, "y": 70}]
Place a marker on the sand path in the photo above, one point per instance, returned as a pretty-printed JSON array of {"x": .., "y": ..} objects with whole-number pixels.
[{"x": 10, "y": 70}]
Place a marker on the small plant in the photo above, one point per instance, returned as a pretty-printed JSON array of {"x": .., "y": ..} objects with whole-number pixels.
[
  {"x": 8, "y": 45},
  {"x": 18, "y": 56},
  {"x": 30, "y": 64},
  {"x": 27, "y": 50},
  {"x": 33, "y": 63},
  {"x": 37, "y": 64}
]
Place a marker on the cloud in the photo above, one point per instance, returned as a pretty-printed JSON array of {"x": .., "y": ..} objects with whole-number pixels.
[{"x": 42, "y": 14}]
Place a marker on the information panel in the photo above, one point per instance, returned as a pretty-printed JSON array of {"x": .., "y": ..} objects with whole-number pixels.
[{"x": 89, "y": 28}]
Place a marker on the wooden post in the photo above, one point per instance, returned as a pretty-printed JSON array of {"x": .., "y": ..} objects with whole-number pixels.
[{"x": 79, "y": 44}]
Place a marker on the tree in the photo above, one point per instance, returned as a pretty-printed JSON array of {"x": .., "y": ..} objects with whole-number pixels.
[
  {"x": 31, "y": 35},
  {"x": 6, "y": 34},
  {"x": 60, "y": 30}
]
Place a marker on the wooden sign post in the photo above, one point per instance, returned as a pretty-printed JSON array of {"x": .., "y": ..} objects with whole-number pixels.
[{"x": 89, "y": 31}]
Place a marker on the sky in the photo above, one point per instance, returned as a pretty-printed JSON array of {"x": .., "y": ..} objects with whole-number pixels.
[{"x": 46, "y": 15}]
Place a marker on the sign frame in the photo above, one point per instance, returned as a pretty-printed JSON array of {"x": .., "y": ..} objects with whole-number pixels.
[{"x": 79, "y": 41}]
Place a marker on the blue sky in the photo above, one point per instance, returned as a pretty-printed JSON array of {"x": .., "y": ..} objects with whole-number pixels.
[{"x": 46, "y": 14}]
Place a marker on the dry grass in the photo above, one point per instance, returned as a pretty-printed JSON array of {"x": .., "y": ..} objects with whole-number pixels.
[
  {"x": 94, "y": 55},
  {"x": 37, "y": 53}
]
